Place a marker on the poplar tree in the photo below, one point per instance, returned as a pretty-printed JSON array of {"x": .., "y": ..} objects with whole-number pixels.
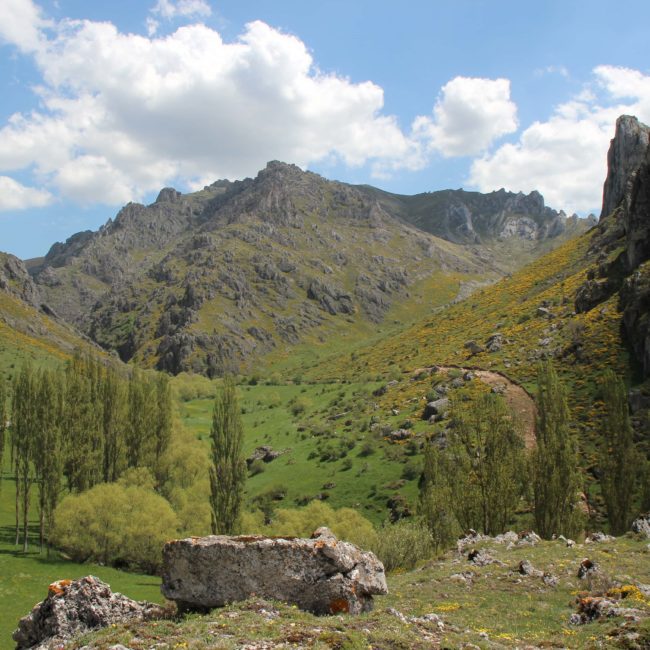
[
  {"x": 163, "y": 421},
  {"x": 3, "y": 421},
  {"x": 79, "y": 419},
  {"x": 435, "y": 502},
  {"x": 47, "y": 453},
  {"x": 142, "y": 412},
  {"x": 228, "y": 468},
  {"x": 487, "y": 454},
  {"x": 23, "y": 441},
  {"x": 113, "y": 425},
  {"x": 619, "y": 456},
  {"x": 555, "y": 463}
]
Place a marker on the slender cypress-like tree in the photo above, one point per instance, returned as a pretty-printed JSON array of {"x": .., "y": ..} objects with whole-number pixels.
[
  {"x": 435, "y": 502},
  {"x": 487, "y": 451},
  {"x": 47, "y": 453},
  {"x": 113, "y": 424},
  {"x": 141, "y": 420},
  {"x": 619, "y": 456},
  {"x": 23, "y": 441},
  {"x": 79, "y": 419},
  {"x": 555, "y": 463},
  {"x": 163, "y": 421},
  {"x": 228, "y": 468},
  {"x": 3, "y": 421}
]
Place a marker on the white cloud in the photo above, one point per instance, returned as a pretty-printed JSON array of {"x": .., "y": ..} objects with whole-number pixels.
[
  {"x": 170, "y": 10},
  {"x": 186, "y": 8},
  {"x": 470, "y": 114},
  {"x": 15, "y": 196},
  {"x": 123, "y": 114},
  {"x": 553, "y": 69},
  {"x": 21, "y": 24},
  {"x": 565, "y": 157}
]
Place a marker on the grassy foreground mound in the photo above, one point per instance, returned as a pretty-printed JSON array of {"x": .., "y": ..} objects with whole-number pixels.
[{"x": 449, "y": 602}]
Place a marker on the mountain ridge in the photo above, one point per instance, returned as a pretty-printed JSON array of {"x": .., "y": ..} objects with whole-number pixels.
[{"x": 209, "y": 280}]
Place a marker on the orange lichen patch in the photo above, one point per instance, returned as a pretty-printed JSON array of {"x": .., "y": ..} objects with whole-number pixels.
[
  {"x": 339, "y": 606},
  {"x": 58, "y": 588}
]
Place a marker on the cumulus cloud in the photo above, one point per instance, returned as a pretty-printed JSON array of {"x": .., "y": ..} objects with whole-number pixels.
[
  {"x": 15, "y": 196},
  {"x": 170, "y": 9},
  {"x": 21, "y": 24},
  {"x": 565, "y": 156},
  {"x": 470, "y": 114},
  {"x": 187, "y": 8},
  {"x": 122, "y": 114}
]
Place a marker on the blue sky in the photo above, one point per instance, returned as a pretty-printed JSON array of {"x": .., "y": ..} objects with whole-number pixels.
[{"x": 106, "y": 102}]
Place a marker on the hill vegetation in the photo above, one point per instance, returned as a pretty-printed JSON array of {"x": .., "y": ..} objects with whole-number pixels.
[{"x": 388, "y": 383}]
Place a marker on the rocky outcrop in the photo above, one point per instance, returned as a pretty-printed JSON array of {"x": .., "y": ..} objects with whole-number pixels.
[
  {"x": 76, "y": 607},
  {"x": 627, "y": 151},
  {"x": 15, "y": 279},
  {"x": 621, "y": 243},
  {"x": 321, "y": 574}
]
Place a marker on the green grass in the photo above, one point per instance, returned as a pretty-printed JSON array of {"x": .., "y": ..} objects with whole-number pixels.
[
  {"x": 361, "y": 480},
  {"x": 498, "y": 608},
  {"x": 24, "y": 578}
]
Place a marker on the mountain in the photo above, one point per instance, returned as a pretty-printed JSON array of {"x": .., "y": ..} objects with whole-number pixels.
[
  {"x": 29, "y": 328},
  {"x": 211, "y": 280}
]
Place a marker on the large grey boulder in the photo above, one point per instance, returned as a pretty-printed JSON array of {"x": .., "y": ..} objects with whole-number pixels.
[
  {"x": 321, "y": 574},
  {"x": 76, "y": 607}
]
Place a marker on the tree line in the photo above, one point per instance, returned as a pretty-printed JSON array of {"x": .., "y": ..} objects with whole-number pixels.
[
  {"x": 80, "y": 425},
  {"x": 482, "y": 474}
]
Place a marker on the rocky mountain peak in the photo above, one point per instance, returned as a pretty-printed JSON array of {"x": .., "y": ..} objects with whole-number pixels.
[
  {"x": 168, "y": 195},
  {"x": 627, "y": 151}
]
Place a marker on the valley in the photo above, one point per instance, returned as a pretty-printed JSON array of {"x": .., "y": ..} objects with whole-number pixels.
[{"x": 361, "y": 329}]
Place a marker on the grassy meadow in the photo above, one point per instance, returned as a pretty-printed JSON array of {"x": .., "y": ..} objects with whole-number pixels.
[{"x": 24, "y": 578}]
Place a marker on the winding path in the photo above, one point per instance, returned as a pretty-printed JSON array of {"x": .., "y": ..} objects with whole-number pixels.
[{"x": 517, "y": 398}]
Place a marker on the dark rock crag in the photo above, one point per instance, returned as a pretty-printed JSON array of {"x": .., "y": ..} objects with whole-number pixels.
[{"x": 622, "y": 241}]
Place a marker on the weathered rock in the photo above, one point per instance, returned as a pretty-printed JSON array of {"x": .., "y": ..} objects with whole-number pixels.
[
  {"x": 494, "y": 342},
  {"x": 400, "y": 434},
  {"x": 321, "y": 574},
  {"x": 473, "y": 347},
  {"x": 436, "y": 408},
  {"x": 480, "y": 557},
  {"x": 527, "y": 569},
  {"x": 595, "y": 607},
  {"x": 587, "y": 568},
  {"x": 595, "y": 538},
  {"x": 627, "y": 151},
  {"x": 265, "y": 453},
  {"x": 75, "y": 607},
  {"x": 641, "y": 525},
  {"x": 528, "y": 538}
]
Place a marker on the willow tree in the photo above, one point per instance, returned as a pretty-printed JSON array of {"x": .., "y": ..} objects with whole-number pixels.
[
  {"x": 555, "y": 462},
  {"x": 228, "y": 468}
]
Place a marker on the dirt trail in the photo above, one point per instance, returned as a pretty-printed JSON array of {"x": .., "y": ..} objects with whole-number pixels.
[{"x": 519, "y": 401}]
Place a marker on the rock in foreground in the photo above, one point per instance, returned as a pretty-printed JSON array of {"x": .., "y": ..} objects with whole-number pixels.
[
  {"x": 320, "y": 575},
  {"x": 75, "y": 607}
]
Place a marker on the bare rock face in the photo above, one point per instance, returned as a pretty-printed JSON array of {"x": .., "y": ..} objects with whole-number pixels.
[
  {"x": 75, "y": 607},
  {"x": 626, "y": 153},
  {"x": 321, "y": 574}
]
